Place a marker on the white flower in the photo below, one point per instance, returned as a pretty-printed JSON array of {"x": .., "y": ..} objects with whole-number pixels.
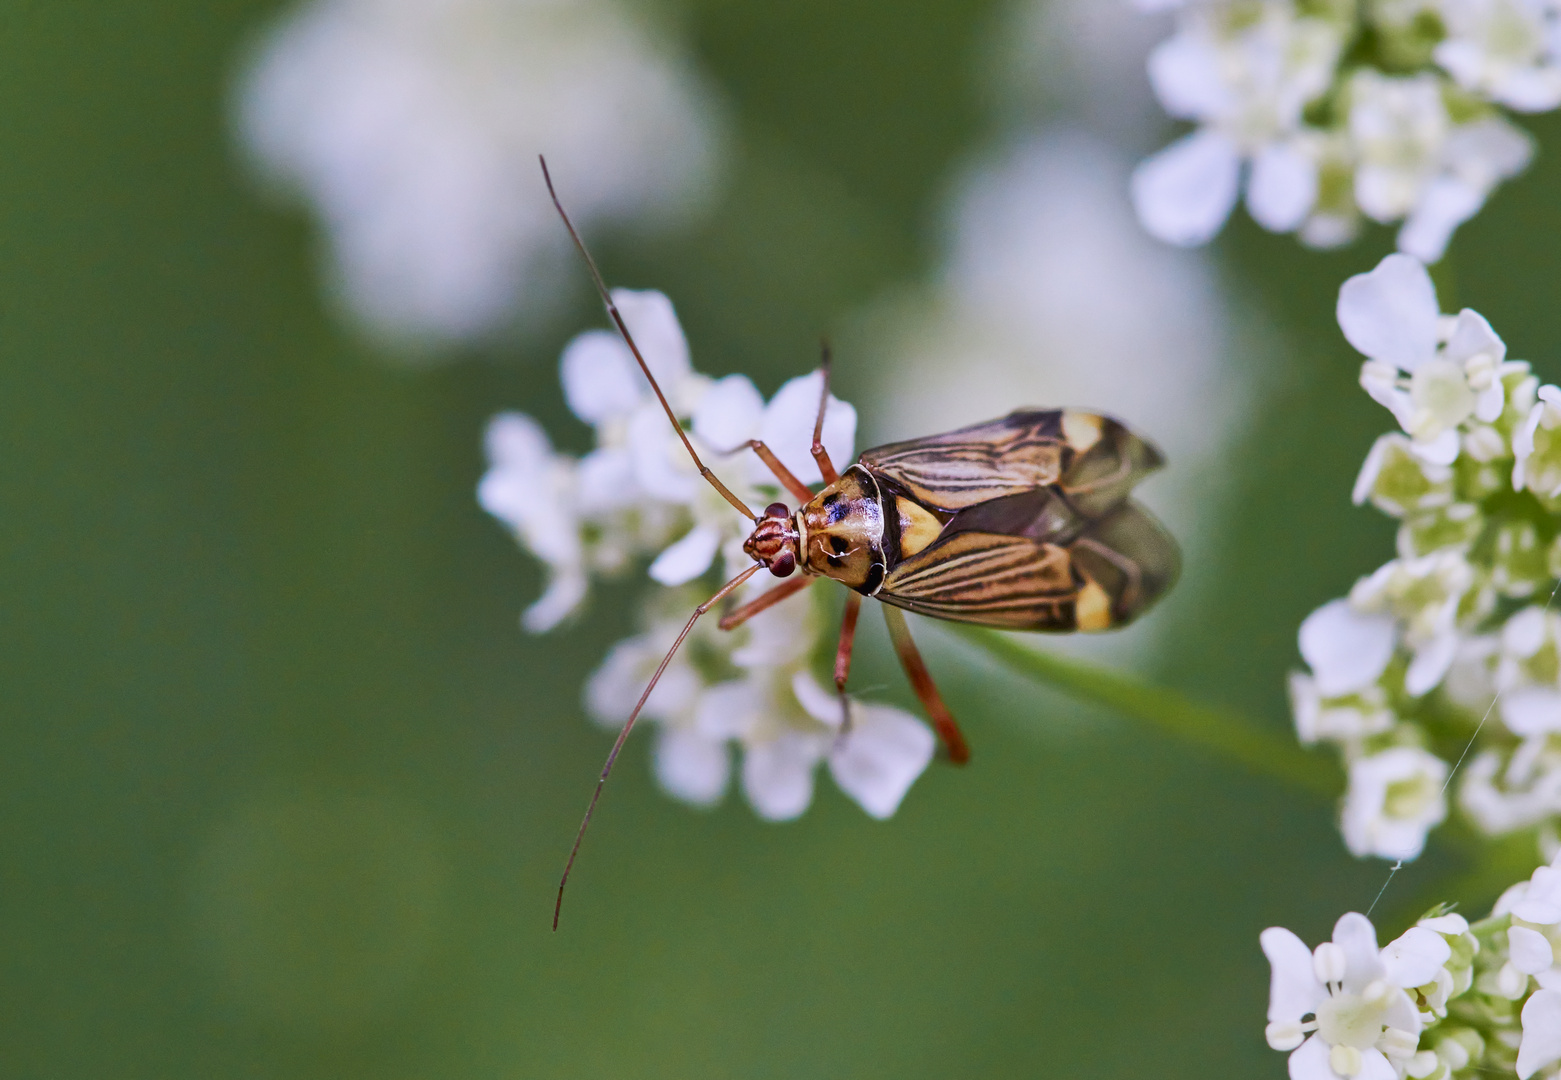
[
  {"x": 1362, "y": 1022},
  {"x": 1394, "y": 798},
  {"x": 1540, "y": 475},
  {"x": 775, "y": 713},
  {"x": 1244, "y": 73},
  {"x": 1345, "y": 719},
  {"x": 532, "y": 490},
  {"x": 413, "y": 127},
  {"x": 1534, "y": 936},
  {"x": 1475, "y": 157},
  {"x": 1501, "y": 797},
  {"x": 1541, "y": 1045},
  {"x": 1390, "y": 314},
  {"x": 1346, "y": 649},
  {"x": 1398, "y": 126},
  {"x": 1504, "y": 49}
]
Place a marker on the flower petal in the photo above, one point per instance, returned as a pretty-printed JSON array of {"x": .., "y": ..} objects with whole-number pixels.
[
  {"x": 1442, "y": 450},
  {"x": 1310, "y": 1062},
  {"x": 1184, "y": 193},
  {"x": 601, "y": 379},
  {"x": 1531, "y": 952},
  {"x": 787, "y": 428},
  {"x": 657, "y": 332},
  {"x": 1541, "y": 1043},
  {"x": 1358, "y": 938},
  {"x": 729, "y": 414},
  {"x": 1430, "y": 664},
  {"x": 1390, "y": 313},
  {"x": 882, "y": 756},
  {"x": 1293, "y": 989},
  {"x": 1374, "y": 1065},
  {"x": 1446, "y": 203},
  {"x": 1472, "y": 335},
  {"x": 687, "y": 558},
  {"x": 1413, "y": 958},
  {"x": 1346, "y": 649},
  {"x": 1532, "y": 710},
  {"x": 1282, "y": 188},
  {"x": 692, "y": 767},
  {"x": 565, "y": 590},
  {"x": 778, "y": 775}
]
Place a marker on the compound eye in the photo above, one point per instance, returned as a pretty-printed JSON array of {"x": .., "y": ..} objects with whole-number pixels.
[
  {"x": 777, "y": 510},
  {"x": 783, "y": 564}
]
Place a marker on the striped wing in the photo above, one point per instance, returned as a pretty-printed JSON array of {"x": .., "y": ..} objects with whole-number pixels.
[
  {"x": 1020, "y": 452},
  {"x": 1109, "y": 573},
  {"x": 1085, "y": 453}
]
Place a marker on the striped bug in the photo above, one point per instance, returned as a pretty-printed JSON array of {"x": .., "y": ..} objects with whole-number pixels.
[{"x": 1021, "y": 523}]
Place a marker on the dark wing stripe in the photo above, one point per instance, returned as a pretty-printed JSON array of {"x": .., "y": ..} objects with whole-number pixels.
[
  {"x": 989, "y": 579},
  {"x": 948, "y": 472}
]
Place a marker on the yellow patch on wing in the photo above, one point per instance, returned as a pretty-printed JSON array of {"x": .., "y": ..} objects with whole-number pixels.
[
  {"x": 1092, "y": 609},
  {"x": 1081, "y": 429},
  {"x": 918, "y": 528}
]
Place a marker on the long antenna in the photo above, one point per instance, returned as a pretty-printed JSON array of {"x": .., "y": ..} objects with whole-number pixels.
[
  {"x": 612, "y": 309},
  {"x": 628, "y": 724}
]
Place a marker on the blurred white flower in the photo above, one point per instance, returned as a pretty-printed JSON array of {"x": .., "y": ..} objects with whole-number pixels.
[
  {"x": 1506, "y": 50},
  {"x": 1362, "y": 1023},
  {"x": 413, "y": 128},
  {"x": 1337, "y": 110},
  {"x": 1243, "y": 73},
  {"x": 1541, "y": 1044},
  {"x": 1394, "y": 799}
]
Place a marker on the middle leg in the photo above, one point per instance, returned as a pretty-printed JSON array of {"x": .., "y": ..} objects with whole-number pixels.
[
  {"x": 926, "y": 689},
  {"x": 826, "y": 467}
]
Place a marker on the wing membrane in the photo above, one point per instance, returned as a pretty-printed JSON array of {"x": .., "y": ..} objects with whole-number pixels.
[
  {"x": 1105, "y": 577},
  {"x": 1094, "y": 459},
  {"x": 949, "y": 472}
]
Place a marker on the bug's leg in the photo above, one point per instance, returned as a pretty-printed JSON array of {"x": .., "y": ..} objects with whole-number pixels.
[
  {"x": 735, "y": 618},
  {"x": 843, "y": 657},
  {"x": 825, "y": 467},
  {"x": 926, "y": 689},
  {"x": 628, "y": 725},
  {"x": 788, "y": 479}
]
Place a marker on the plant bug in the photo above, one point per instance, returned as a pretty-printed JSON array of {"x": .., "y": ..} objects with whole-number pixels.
[{"x": 1021, "y": 523}]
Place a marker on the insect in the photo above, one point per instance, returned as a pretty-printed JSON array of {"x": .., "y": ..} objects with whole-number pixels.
[{"x": 1021, "y": 523}]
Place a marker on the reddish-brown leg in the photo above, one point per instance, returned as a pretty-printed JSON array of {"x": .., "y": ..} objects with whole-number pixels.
[
  {"x": 843, "y": 656},
  {"x": 736, "y": 617},
  {"x": 926, "y": 689},
  {"x": 826, "y": 467},
  {"x": 788, "y": 479}
]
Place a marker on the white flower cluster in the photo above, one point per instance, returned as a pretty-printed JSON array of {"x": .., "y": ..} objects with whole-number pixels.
[
  {"x": 1447, "y": 999},
  {"x": 1330, "y": 111},
  {"x": 637, "y": 493},
  {"x": 1456, "y": 639},
  {"x": 413, "y": 127}
]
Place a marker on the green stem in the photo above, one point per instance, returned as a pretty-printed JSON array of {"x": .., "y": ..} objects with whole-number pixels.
[{"x": 1226, "y": 734}]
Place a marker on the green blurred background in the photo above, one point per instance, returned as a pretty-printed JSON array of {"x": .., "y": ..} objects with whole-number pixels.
[{"x": 285, "y": 789}]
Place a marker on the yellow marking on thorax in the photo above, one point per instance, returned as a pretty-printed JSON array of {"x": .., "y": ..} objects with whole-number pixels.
[
  {"x": 918, "y": 528},
  {"x": 1092, "y": 609},
  {"x": 1081, "y": 429}
]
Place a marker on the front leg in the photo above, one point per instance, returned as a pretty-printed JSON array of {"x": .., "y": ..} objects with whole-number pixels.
[{"x": 843, "y": 657}]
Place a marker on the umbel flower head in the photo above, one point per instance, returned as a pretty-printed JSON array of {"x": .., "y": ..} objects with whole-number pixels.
[
  {"x": 1326, "y": 113},
  {"x": 1445, "y": 999},
  {"x": 635, "y": 496},
  {"x": 1457, "y": 638}
]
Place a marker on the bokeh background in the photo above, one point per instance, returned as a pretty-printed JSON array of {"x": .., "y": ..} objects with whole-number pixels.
[{"x": 284, "y": 789}]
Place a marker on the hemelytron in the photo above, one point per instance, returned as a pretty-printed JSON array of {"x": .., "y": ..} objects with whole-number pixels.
[{"x": 1021, "y": 523}]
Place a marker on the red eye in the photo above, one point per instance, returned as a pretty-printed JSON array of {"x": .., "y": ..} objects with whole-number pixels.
[
  {"x": 777, "y": 510},
  {"x": 783, "y": 564}
]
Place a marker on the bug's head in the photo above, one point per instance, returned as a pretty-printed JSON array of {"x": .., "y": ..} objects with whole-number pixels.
[{"x": 774, "y": 541}]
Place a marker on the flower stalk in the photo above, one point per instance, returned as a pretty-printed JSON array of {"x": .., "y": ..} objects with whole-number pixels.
[{"x": 1225, "y": 734}]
